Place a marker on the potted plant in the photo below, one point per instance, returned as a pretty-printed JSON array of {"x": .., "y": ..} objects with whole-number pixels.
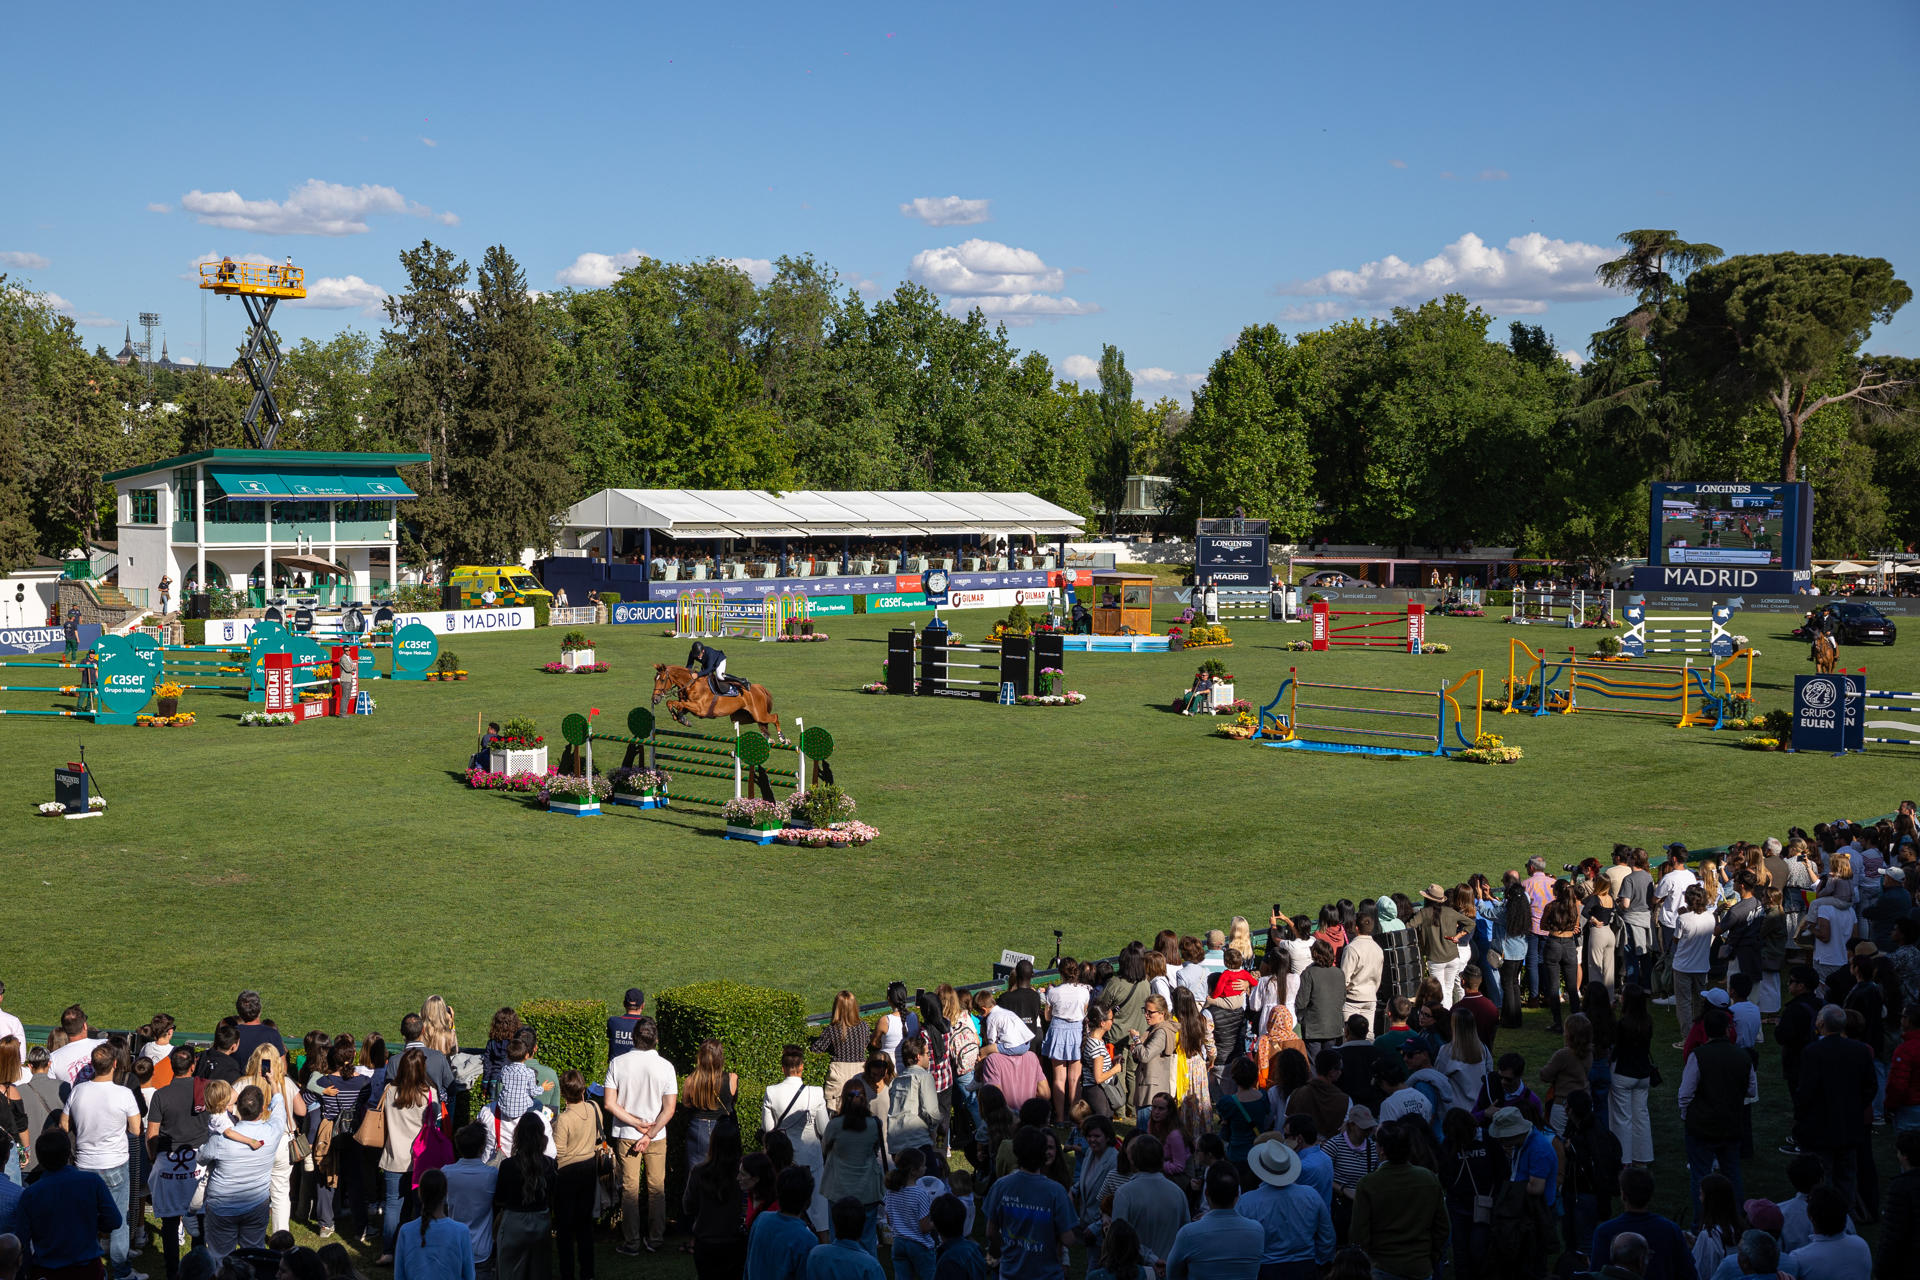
[
  {"x": 640, "y": 788},
  {"x": 577, "y": 795},
  {"x": 520, "y": 748},
  {"x": 445, "y": 665},
  {"x": 169, "y": 695},
  {"x": 755, "y": 821},
  {"x": 576, "y": 650}
]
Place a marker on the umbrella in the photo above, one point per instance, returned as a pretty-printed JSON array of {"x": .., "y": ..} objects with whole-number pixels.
[{"x": 1844, "y": 567}]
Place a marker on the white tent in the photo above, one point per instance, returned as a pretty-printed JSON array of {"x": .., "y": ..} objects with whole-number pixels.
[
  {"x": 759, "y": 513},
  {"x": 1843, "y": 568}
]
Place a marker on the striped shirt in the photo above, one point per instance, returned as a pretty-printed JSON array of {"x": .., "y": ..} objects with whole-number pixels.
[
  {"x": 517, "y": 1091},
  {"x": 905, "y": 1208}
]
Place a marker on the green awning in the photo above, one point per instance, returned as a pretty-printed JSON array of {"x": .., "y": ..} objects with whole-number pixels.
[
  {"x": 321, "y": 485},
  {"x": 381, "y": 484},
  {"x": 249, "y": 486}
]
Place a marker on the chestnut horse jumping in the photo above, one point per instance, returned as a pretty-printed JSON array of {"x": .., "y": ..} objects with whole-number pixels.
[{"x": 752, "y": 705}]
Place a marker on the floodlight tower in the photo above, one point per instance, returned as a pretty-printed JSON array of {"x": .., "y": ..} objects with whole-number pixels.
[
  {"x": 259, "y": 286},
  {"x": 149, "y": 320}
]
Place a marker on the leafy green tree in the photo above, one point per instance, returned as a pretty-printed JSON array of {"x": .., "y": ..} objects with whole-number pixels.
[
  {"x": 1113, "y": 451},
  {"x": 1655, "y": 264},
  {"x": 425, "y": 373},
  {"x": 1765, "y": 328},
  {"x": 1246, "y": 443},
  {"x": 329, "y": 397},
  {"x": 1533, "y": 345}
]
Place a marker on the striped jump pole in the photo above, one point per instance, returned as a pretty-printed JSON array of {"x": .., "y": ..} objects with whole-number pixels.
[
  {"x": 1406, "y": 629},
  {"x": 1418, "y": 727}
]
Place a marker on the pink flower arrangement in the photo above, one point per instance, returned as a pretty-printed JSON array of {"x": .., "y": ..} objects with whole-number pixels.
[
  {"x": 561, "y": 669},
  {"x": 495, "y": 780},
  {"x": 840, "y": 835}
]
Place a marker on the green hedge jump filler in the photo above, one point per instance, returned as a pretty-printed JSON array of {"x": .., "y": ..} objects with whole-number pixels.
[
  {"x": 1415, "y": 722},
  {"x": 744, "y": 759}
]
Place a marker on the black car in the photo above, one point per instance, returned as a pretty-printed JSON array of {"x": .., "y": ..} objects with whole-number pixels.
[{"x": 1859, "y": 623}]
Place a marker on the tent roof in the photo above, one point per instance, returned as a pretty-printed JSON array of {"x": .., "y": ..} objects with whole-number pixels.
[{"x": 750, "y": 513}]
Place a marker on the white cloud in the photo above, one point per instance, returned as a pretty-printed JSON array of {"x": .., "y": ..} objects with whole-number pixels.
[
  {"x": 1158, "y": 376},
  {"x": 23, "y": 261},
  {"x": 947, "y": 211},
  {"x": 429, "y": 142},
  {"x": 314, "y": 208},
  {"x": 1316, "y": 312},
  {"x": 1014, "y": 286},
  {"x": 1574, "y": 358},
  {"x": 1522, "y": 279},
  {"x": 1020, "y": 309},
  {"x": 598, "y": 270},
  {"x": 157, "y": 207},
  {"x": 985, "y": 266},
  {"x": 758, "y": 270},
  {"x": 84, "y": 319},
  {"x": 1079, "y": 368},
  {"x": 338, "y": 293}
]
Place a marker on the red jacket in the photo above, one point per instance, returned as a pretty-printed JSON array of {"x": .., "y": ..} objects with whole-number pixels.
[{"x": 1903, "y": 1076}]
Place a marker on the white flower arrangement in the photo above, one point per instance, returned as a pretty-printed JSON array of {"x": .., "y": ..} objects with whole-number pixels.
[
  {"x": 97, "y": 803},
  {"x": 267, "y": 718},
  {"x": 52, "y": 809}
]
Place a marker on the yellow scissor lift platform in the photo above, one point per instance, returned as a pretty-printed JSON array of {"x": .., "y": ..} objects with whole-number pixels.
[
  {"x": 262, "y": 280},
  {"x": 259, "y": 286}
]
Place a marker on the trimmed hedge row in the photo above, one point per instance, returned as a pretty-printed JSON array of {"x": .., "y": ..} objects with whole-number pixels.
[
  {"x": 193, "y": 630},
  {"x": 754, "y": 1023},
  {"x": 573, "y": 1034}
]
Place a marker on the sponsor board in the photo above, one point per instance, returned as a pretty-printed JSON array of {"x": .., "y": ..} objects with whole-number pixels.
[
  {"x": 643, "y": 611},
  {"x": 829, "y": 606},
  {"x": 1001, "y": 599},
  {"x": 45, "y": 639},
  {"x": 1717, "y": 578},
  {"x": 452, "y": 622},
  {"x": 1827, "y": 712},
  {"x": 881, "y": 584},
  {"x": 916, "y": 603}
]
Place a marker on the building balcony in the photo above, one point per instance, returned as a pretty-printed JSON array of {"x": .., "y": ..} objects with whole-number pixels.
[{"x": 289, "y": 533}]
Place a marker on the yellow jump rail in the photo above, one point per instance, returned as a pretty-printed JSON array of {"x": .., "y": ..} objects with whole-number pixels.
[{"x": 260, "y": 279}]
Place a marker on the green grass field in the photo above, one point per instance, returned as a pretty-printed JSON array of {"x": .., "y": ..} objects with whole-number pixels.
[{"x": 343, "y": 869}]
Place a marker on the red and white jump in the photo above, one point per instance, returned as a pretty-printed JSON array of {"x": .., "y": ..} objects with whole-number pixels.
[
  {"x": 285, "y": 678},
  {"x": 1405, "y": 631}
]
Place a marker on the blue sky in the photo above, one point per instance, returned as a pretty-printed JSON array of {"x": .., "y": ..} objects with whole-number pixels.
[{"x": 1153, "y": 176}]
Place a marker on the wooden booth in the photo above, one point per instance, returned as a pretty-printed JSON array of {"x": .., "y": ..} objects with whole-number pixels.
[{"x": 1122, "y": 603}]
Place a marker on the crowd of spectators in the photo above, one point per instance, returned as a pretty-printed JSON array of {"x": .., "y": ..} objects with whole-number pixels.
[{"x": 1338, "y": 1096}]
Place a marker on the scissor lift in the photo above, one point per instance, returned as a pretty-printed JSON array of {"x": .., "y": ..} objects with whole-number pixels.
[{"x": 259, "y": 286}]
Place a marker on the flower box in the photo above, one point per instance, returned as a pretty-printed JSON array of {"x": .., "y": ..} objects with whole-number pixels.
[
  {"x": 530, "y": 760},
  {"x": 632, "y": 801},
  {"x": 753, "y": 835},
  {"x": 574, "y": 808},
  {"x": 571, "y": 658}
]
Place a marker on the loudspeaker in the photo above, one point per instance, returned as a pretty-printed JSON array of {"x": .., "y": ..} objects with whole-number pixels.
[
  {"x": 449, "y": 597},
  {"x": 199, "y": 605}
]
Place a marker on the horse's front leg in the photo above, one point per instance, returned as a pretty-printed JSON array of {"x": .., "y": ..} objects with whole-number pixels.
[{"x": 678, "y": 710}]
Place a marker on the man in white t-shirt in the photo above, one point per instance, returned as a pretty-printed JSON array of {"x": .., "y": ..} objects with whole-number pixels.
[
  {"x": 71, "y": 1058},
  {"x": 1837, "y": 920},
  {"x": 101, "y": 1115},
  {"x": 1670, "y": 895},
  {"x": 641, "y": 1092}
]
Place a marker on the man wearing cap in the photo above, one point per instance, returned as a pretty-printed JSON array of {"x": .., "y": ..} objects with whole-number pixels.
[
  {"x": 620, "y": 1026},
  {"x": 1440, "y": 928},
  {"x": 1296, "y": 1223},
  {"x": 1717, "y": 1087},
  {"x": 1894, "y": 905},
  {"x": 1220, "y": 1245},
  {"x": 1400, "y": 1212}
]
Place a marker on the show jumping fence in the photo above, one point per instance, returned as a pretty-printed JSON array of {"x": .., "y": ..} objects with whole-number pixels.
[
  {"x": 694, "y": 762},
  {"x": 1413, "y": 722},
  {"x": 1646, "y": 635},
  {"x": 1689, "y": 694},
  {"x": 712, "y": 614},
  {"x": 1404, "y": 630},
  {"x": 1018, "y": 662}
]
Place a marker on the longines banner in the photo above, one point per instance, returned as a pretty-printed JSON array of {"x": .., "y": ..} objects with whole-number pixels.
[
  {"x": 875, "y": 584},
  {"x": 1232, "y": 560},
  {"x": 45, "y": 639}
]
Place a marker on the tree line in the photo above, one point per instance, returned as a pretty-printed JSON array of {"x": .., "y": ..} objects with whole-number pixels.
[{"x": 1420, "y": 428}]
